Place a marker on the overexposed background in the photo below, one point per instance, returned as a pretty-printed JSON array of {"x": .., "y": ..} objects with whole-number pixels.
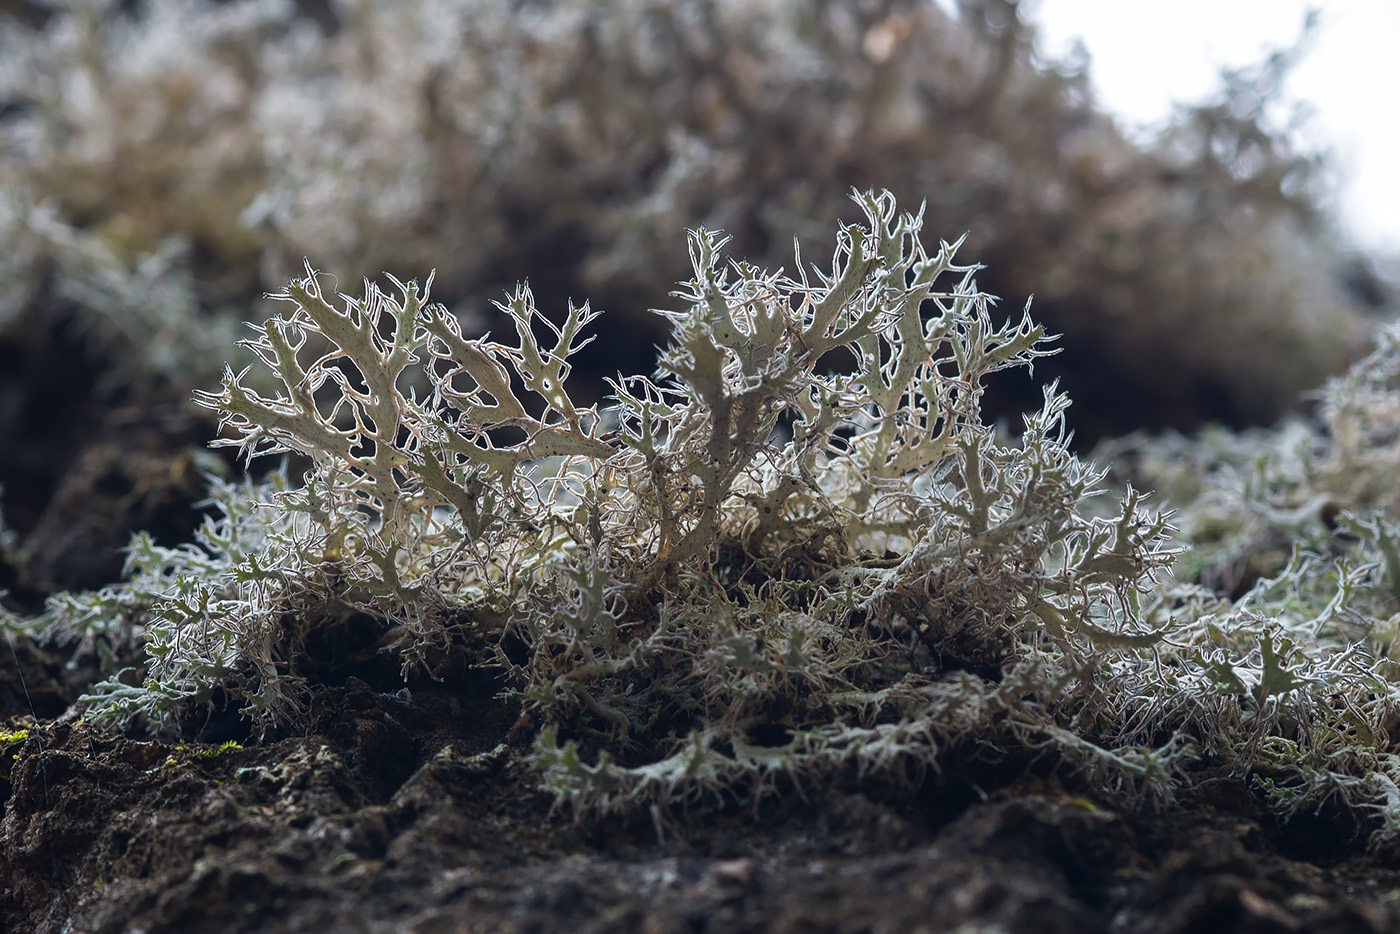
[{"x": 1147, "y": 56}]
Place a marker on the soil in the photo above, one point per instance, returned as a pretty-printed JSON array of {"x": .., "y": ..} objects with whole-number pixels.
[{"x": 411, "y": 811}]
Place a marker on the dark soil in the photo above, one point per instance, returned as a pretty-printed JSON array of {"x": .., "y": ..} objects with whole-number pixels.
[{"x": 411, "y": 811}]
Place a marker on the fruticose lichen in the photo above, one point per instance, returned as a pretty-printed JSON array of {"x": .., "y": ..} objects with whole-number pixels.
[{"x": 795, "y": 554}]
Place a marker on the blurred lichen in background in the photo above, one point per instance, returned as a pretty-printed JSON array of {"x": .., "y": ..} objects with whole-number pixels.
[{"x": 166, "y": 162}]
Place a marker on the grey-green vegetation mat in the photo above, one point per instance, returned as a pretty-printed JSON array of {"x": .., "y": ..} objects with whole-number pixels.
[{"x": 794, "y": 554}]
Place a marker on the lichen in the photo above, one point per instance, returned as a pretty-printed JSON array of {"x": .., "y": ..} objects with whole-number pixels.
[{"x": 796, "y": 554}]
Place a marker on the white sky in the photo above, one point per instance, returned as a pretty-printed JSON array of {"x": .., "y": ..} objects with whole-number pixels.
[{"x": 1147, "y": 55}]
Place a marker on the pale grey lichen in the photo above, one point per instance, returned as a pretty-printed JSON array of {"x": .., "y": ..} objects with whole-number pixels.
[
  {"x": 796, "y": 554},
  {"x": 784, "y": 566}
]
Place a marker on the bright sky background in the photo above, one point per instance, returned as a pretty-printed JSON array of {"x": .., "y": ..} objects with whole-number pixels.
[{"x": 1147, "y": 55}]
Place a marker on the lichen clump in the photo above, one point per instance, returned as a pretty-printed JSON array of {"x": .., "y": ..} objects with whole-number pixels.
[
  {"x": 797, "y": 548},
  {"x": 795, "y": 554}
]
